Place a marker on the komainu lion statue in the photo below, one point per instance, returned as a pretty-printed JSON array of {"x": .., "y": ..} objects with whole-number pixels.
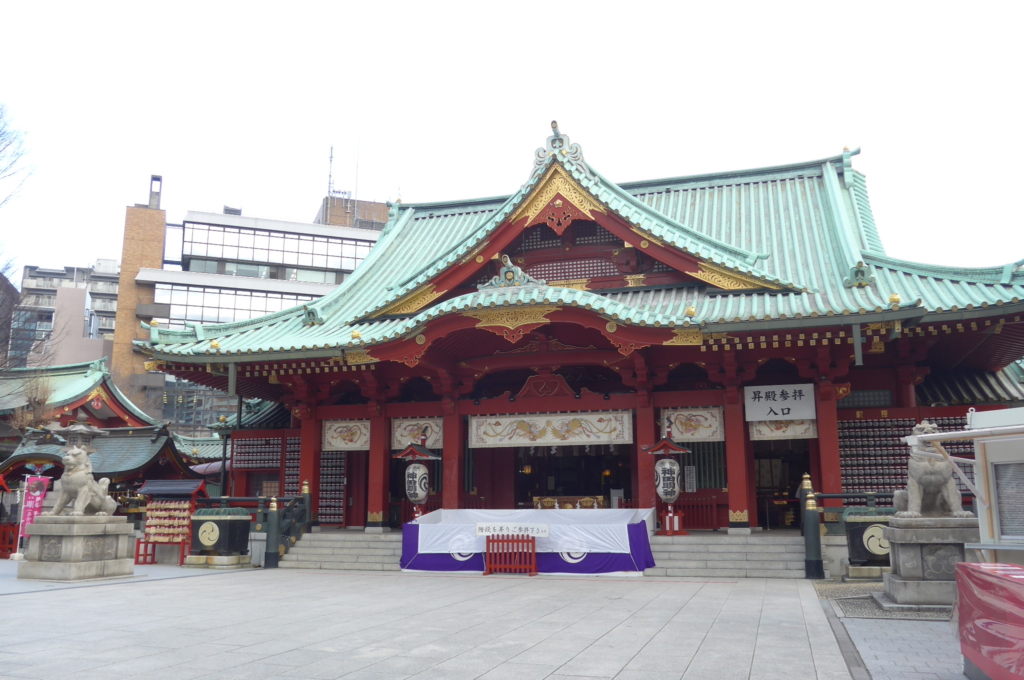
[
  {"x": 80, "y": 489},
  {"x": 931, "y": 490}
]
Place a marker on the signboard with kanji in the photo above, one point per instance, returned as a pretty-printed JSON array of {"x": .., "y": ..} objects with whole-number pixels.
[{"x": 779, "y": 402}]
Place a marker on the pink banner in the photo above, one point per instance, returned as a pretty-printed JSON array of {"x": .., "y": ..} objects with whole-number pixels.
[{"x": 35, "y": 492}]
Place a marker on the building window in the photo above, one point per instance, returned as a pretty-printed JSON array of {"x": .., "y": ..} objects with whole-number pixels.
[
  {"x": 300, "y": 250},
  {"x": 220, "y": 305}
]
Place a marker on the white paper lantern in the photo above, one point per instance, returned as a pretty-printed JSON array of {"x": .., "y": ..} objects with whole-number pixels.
[
  {"x": 666, "y": 479},
  {"x": 417, "y": 483}
]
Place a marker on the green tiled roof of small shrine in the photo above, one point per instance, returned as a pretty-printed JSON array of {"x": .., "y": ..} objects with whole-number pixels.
[
  {"x": 204, "y": 448},
  {"x": 805, "y": 229},
  {"x": 66, "y": 384},
  {"x": 122, "y": 451}
]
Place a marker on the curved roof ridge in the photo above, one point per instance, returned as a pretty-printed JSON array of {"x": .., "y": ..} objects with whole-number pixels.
[{"x": 994, "y": 274}]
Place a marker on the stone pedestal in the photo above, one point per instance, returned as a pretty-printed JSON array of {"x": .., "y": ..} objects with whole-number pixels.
[
  {"x": 77, "y": 548},
  {"x": 924, "y": 553}
]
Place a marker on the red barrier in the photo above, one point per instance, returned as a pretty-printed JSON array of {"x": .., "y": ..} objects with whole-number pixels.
[
  {"x": 672, "y": 521},
  {"x": 511, "y": 555},
  {"x": 700, "y": 512},
  {"x": 990, "y": 607},
  {"x": 145, "y": 551},
  {"x": 8, "y": 539}
]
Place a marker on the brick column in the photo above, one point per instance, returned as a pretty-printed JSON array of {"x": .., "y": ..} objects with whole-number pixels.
[
  {"x": 378, "y": 494},
  {"x": 736, "y": 460},
  {"x": 453, "y": 460},
  {"x": 643, "y": 467}
]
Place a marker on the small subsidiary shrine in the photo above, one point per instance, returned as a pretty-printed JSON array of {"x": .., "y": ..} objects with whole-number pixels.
[{"x": 540, "y": 343}]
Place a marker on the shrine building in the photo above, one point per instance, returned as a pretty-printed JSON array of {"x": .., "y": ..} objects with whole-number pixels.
[{"x": 537, "y": 343}]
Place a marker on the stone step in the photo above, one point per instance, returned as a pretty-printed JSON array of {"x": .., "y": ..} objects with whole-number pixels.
[
  {"x": 341, "y": 566},
  {"x": 673, "y": 572},
  {"x": 729, "y": 564},
  {"x": 711, "y": 538},
  {"x": 354, "y": 537},
  {"x": 729, "y": 556},
  {"x": 293, "y": 556},
  {"x": 761, "y": 548},
  {"x": 309, "y": 550}
]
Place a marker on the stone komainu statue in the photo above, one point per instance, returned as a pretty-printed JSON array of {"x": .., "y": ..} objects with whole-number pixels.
[
  {"x": 931, "y": 490},
  {"x": 79, "y": 489}
]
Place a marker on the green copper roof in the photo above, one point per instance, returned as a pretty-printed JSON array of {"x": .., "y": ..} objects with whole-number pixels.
[
  {"x": 66, "y": 385},
  {"x": 123, "y": 451},
  {"x": 805, "y": 227},
  {"x": 200, "y": 448}
]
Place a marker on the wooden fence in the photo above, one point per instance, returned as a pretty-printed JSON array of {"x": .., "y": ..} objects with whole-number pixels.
[{"x": 511, "y": 555}]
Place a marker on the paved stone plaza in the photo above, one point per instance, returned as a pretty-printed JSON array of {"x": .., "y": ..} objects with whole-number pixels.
[
  {"x": 310, "y": 624},
  {"x": 907, "y": 650}
]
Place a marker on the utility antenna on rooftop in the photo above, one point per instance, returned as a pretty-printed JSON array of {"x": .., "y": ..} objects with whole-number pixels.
[{"x": 330, "y": 185}]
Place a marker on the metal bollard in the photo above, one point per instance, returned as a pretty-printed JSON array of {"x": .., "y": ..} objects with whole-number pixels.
[
  {"x": 813, "y": 566},
  {"x": 801, "y": 495},
  {"x": 273, "y": 554}
]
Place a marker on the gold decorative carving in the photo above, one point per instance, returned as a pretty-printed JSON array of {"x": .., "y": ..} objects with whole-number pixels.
[
  {"x": 831, "y": 516},
  {"x": 511, "y": 317},
  {"x": 214, "y": 345},
  {"x": 534, "y": 346},
  {"x": 729, "y": 280},
  {"x": 272, "y": 379},
  {"x": 645, "y": 243},
  {"x": 356, "y": 335},
  {"x": 359, "y": 356},
  {"x": 556, "y": 181},
  {"x": 421, "y": 339},
  {"x": 686, "y": 336},
  {"x": 611, "y": 326},
  {"x": 154, "y": 365},
  {"x": 634, "y": 280},
  {"x": 98, "y": 392},
  {"x": 738, "y": 516},
  {"x": 413, "y": 302},
  {"x": 575, "y": 284},
  {"x": 691, "y": 311},
  {"x": 375, "y": 517}
]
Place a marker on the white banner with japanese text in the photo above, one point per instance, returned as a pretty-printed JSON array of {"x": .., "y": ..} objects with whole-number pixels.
[
  {"x": 513, "y": 528},
  {"x": 405, "y": 431},
  {"x": 694, "y": 424},
  {"x": 779, "y": 402},
  {"x": 346, "y": 435},
  {"x": 551, "y": 429}
]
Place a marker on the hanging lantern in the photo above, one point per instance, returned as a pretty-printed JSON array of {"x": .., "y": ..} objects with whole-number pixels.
[
  {"x": 417, "y": 483},
  {"x": 666, "y": 479}
]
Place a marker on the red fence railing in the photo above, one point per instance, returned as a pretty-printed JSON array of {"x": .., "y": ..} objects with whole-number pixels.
[
  {"x": 511, "y": 555},
  {"x": 8, "y": 539},
  {"x": 698, "y": 513}
]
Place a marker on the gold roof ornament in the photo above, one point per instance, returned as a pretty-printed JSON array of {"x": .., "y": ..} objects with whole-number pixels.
[
  {"x": 894, "y": 299},
  {"x": 691, "y": 311},
  {"x": 214, "y": 345},
  {"x": 356, "y": 335}
]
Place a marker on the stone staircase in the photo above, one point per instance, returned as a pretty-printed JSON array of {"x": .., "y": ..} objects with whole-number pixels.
[
  {"x": 352, "y": 550},
  {"x": 717, "y": 554}
]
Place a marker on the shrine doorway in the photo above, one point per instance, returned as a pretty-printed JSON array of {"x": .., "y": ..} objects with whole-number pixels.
[
  {"x": 572, "y": 475},
  {"x": 779, "y": 466}
]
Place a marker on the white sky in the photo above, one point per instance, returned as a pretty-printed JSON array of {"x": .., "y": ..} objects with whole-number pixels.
[{"x": 238, "y": 105}]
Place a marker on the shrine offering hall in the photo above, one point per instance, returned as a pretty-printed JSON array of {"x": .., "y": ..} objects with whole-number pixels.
[{"x": 532, "y": 348}]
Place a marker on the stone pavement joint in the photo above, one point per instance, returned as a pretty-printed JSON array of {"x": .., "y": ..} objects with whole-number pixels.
[{"x": 277, "y": 624}]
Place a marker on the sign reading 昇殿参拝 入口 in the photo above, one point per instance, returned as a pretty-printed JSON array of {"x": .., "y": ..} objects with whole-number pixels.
[{"x": 779, "y": 402}]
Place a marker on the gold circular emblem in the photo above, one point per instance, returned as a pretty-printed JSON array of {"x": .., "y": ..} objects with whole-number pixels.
[
  {"x": 874, "y": 541},
  {"x": 479, "y": 259},
  {"x": 644, "y": 243},
  {"x": 421, "y": 339},
  {"x": 209, "y": 533},
  {"x": 611, "y": 327}
]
